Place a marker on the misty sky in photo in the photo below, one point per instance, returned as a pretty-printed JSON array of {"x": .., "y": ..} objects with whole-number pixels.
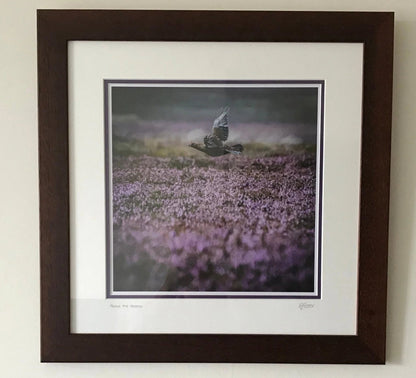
[{"x": 256, "y": 114}]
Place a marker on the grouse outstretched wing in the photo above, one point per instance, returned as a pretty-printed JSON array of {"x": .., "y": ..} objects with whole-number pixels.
[{"x": 220, "y": 125}]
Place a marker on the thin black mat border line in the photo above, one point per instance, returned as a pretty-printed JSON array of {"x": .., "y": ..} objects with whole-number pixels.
[
  {"x": 321, "y": 179},
  {"x": 177, "y": 296},
  {"x": 177, "y": 81},
  {"x": 108, "y": 226},
  {"x": 108, "y": 200}
]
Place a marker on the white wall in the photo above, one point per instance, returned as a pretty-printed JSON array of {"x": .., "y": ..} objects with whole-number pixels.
[{"x": 19, "y": 266}]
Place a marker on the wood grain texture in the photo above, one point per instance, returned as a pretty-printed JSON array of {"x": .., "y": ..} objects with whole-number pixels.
[{"x": 57, "y": 27}]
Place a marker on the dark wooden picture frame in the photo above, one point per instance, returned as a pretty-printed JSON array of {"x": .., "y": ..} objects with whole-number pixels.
[{"x": 57, "y": 27}]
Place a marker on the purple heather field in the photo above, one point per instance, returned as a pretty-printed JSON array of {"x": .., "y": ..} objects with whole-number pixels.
[{"x": 184, "y": 221}]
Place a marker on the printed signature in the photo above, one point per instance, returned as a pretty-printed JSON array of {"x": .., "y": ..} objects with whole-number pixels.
[{"x": 305, "y": 305}]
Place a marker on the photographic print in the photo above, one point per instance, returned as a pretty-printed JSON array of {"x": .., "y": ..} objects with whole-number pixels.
[{"x": 213, "y": 188}]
